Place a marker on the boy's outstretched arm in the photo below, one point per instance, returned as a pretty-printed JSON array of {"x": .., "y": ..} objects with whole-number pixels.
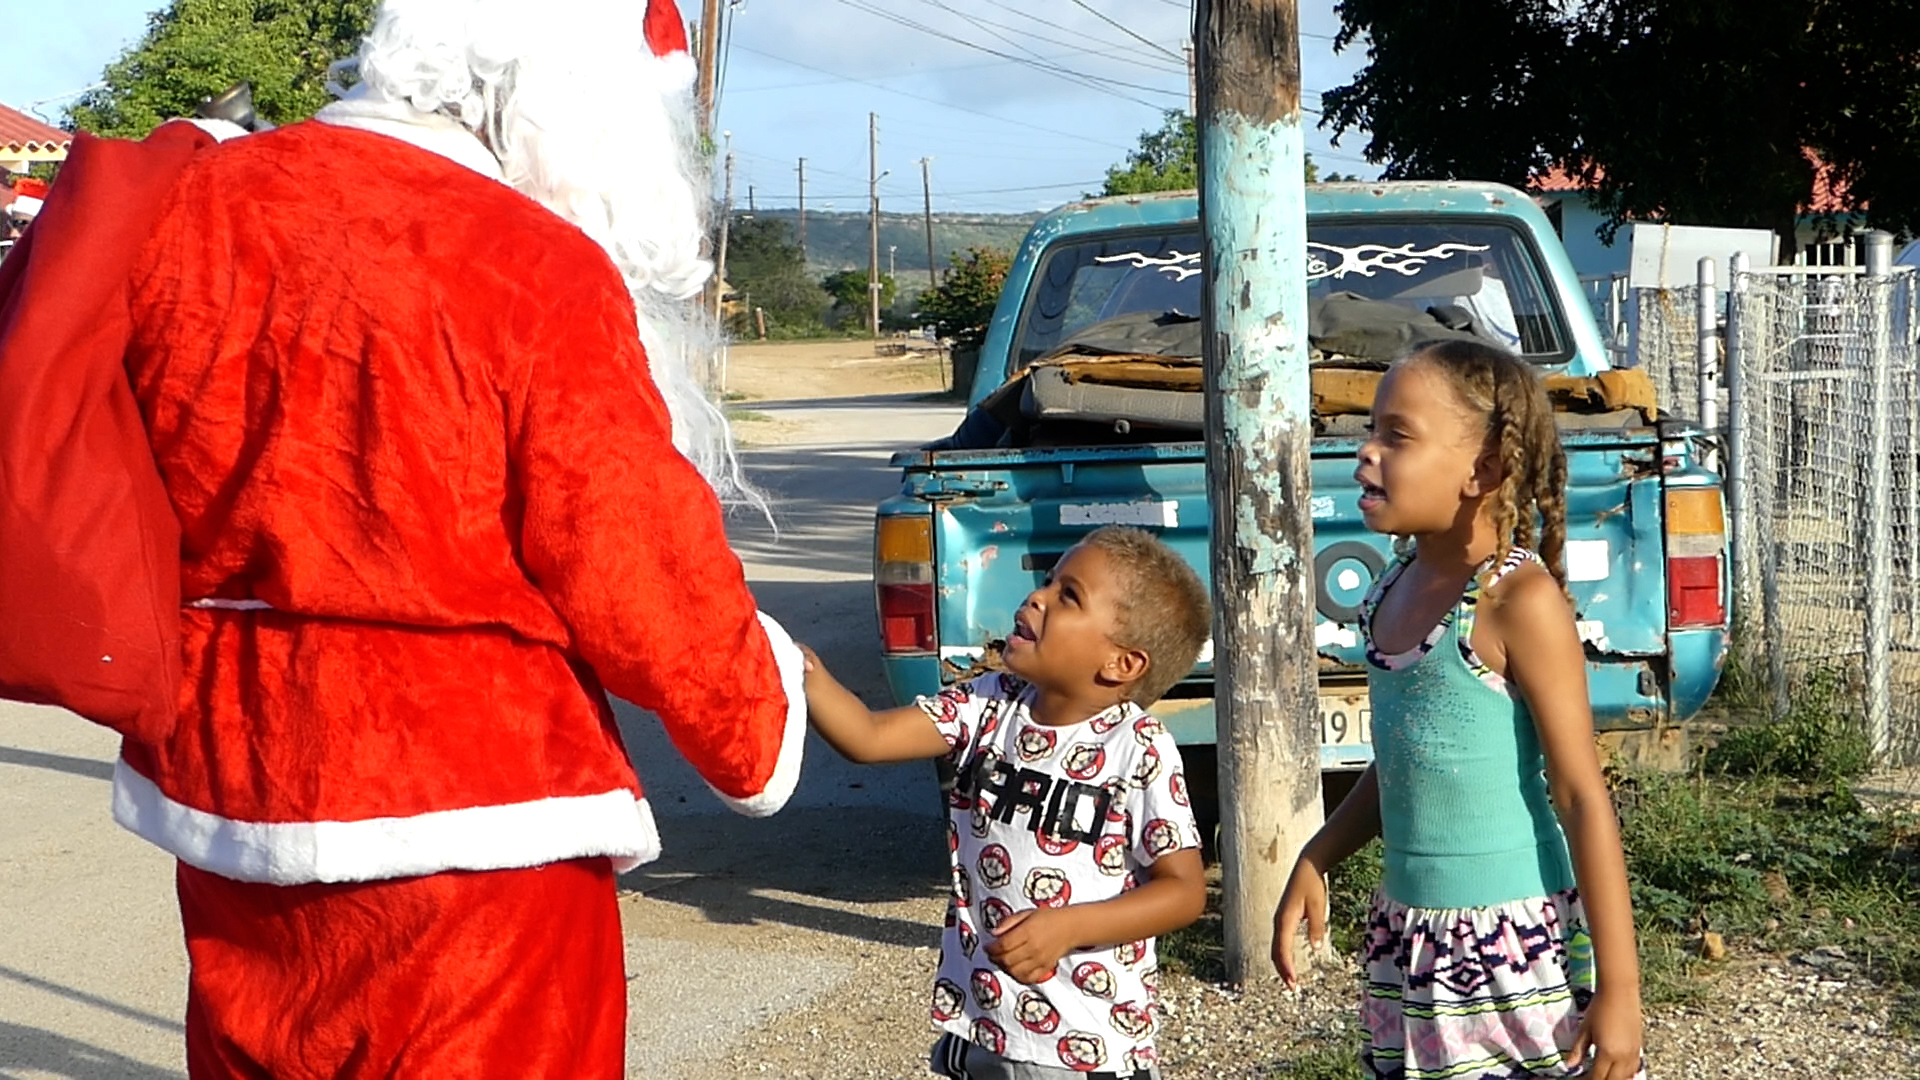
[
  {"x": 1029, "y": 944},
  {"x": 859, "y": 733}
]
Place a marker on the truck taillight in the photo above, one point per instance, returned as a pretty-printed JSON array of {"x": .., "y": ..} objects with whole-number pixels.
[
  {"x": 903, "y": 583},
  {"x": 1696, "y": 552}
]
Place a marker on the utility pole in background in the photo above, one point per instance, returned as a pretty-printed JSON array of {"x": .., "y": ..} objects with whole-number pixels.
[
  {"x": 926, "y": 190},
  {"x": 726, "y": 221},
  {"x": 803, "y": 209},
  {"x": 873, "y": 223},
  {"x": 708, "y": 57},
  {"x": 751, "y": 208},
  {"x": 1193, "y": 86},
  {"x": 1259, "y": 427}
]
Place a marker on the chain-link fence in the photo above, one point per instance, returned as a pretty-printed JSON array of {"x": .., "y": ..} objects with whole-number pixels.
[
  {"x": 1663, "y": 337},
  {"x": 1825, "y": 489}
]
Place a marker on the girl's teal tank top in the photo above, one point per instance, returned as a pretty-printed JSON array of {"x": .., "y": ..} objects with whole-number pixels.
[{"x": 1464, "y": 812}]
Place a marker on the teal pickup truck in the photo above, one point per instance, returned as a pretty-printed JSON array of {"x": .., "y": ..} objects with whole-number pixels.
[{"x": 1044, "y": 457}]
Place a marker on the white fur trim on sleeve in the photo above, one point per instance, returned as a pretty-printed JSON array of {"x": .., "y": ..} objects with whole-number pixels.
[
  {"x": 612, "y": 823},
  {"x": 786, "y": 770}
]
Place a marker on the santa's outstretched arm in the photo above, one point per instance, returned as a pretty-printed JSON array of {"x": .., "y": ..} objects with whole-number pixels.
[{"x": 625, "y": 538}]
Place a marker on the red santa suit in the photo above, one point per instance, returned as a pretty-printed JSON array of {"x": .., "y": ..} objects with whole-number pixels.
[{"x": 431, "y": 511}]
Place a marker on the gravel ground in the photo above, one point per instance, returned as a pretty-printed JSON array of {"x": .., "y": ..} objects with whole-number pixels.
[{"x": 1781, "y": 1018}]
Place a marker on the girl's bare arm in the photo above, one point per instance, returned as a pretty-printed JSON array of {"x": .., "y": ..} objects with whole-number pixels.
[{"x": 1545, "y": 659}]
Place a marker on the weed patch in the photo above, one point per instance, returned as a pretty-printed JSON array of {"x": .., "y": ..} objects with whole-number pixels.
[
  {"x": 1321, "y": 1060},
  {"x": 1822, "y": 739},
  {"x": 1773, "y": 865}
]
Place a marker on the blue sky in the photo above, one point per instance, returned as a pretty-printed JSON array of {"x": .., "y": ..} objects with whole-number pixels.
[{"x": 1004, "y": 134}]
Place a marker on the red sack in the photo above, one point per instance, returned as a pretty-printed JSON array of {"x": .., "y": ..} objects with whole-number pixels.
[{"x": 89, "y": 545}]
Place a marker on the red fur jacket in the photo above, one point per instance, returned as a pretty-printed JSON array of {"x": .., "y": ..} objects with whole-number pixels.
[{"x": 430, "y": 509}]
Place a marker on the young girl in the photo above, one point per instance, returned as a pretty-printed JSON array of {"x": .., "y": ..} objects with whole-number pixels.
[{"x": 1480, "y": 952}]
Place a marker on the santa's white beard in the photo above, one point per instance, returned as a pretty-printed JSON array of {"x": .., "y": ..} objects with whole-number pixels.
[{"x": 587, "y": 121}]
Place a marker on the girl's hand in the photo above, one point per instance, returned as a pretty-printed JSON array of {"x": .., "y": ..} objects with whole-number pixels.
[
  {"x": 1611, "y": 1033},
  {"x": 1305, "y": 898}
]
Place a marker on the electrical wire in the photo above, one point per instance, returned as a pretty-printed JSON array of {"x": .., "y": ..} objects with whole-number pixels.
[
  {"x": 933, "y": 100},
  {"x": 1102, "y": 16},
  {"x": 984, "y": 23},
  {"x": 916, "y": 72},
  {"x": 1077, "y": 77}
]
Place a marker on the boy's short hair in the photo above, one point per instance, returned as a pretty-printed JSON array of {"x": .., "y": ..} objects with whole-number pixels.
[{"x": 1164, "y": 610}]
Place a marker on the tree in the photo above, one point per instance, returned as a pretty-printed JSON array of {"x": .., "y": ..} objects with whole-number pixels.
[
  {"x": 1166, "y": 160},
  {"x": 1169, "y": 160},
  {"x": 194, "y": 49},
  {"x": 963, "y": 304},
  {"x": 764, "y": 263},
  {"x": 1712, "y": 112},
  {"x": 849, "y": 291}
]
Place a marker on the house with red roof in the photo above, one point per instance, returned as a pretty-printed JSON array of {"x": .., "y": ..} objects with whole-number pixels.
[
  {"x": 1561, "y": 195},
  {"x": 25, "y": 141}
]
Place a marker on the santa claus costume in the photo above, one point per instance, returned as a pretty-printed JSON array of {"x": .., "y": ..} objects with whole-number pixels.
[{"x": 415, "y": 376}]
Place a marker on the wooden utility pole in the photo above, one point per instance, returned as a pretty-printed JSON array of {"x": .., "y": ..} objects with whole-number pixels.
[
  {"x": 803, "y": 209},
  {"x": 1259, "y": 427},
  {"x": 926, "y": 190},
  {"x": 873, "y": 223},
  {"x": 1193, "y": 86},
  {"x": 751, "y": 207},
  {"x": 708, "y": 57},
  {"x": 720, "y": 264}
]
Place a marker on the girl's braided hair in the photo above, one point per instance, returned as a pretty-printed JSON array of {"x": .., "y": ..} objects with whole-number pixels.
[{"x": 1506, "y": 394}]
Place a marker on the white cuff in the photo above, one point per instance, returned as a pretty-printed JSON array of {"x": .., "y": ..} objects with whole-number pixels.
[{"x": 786, "y": 769}]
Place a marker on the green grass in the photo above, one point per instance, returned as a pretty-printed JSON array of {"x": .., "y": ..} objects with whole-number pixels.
[
  {"x": 1766, "y": 844},
  {"x": 1316, "y": 1059}
]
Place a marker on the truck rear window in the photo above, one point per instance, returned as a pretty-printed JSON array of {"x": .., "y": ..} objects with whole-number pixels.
[{"x": 1482, "y": 270}]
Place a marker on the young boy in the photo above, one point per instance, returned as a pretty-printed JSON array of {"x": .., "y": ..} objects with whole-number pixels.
[{"x": 1072, "y": 843}]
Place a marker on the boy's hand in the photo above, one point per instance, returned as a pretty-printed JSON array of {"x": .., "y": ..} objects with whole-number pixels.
[
  {"x": 1028, "y": 944},
  {"x": 812, "y": 658},
  {"x": 1305, "y": 898}
]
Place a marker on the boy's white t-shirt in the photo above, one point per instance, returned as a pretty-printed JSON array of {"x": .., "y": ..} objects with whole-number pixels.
[{"x": 1047, "y": 816}]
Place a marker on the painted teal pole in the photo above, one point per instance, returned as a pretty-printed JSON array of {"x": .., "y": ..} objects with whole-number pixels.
[{"x": 1259, "y": 431}]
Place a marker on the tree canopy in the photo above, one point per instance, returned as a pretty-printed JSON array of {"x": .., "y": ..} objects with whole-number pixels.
[
  {"x": 765, "y": 264},
  {"x": 963, "y": 304},
  {"x": 194, "y": 49},
  {"x": 1711, "y": 112},
  {"x": 1168, "y": 159},
  {"x": 849, "y": 291}
]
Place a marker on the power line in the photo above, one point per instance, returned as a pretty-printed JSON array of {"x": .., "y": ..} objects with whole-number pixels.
[
  {"x": 1102, "y": 16},
  {"x": 935, "y": 101},
  {"x": 916, "y": 72},
  {"x": 984, "y": 22},
  {"x": 1077, "y": 77},
  {"x": 976, "y": 191}
]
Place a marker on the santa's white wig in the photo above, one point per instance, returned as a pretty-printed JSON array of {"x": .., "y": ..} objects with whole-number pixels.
[{"x": 588, "y": 106}]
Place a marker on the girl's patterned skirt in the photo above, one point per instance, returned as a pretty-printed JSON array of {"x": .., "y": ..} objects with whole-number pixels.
[{"x": 1493, "y": 993}]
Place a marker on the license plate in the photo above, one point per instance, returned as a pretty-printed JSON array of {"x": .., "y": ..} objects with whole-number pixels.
[{"x": 1346, "y": 717}]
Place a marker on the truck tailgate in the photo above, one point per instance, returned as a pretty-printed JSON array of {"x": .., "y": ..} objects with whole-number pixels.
[{"x": 1002, "y": 518}]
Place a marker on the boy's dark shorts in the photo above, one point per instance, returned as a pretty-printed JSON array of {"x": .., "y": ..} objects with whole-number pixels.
[{"x": 957, "y": 1059}]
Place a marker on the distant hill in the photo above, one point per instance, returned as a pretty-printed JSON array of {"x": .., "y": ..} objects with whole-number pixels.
[{"x": 838, "y": 241}]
